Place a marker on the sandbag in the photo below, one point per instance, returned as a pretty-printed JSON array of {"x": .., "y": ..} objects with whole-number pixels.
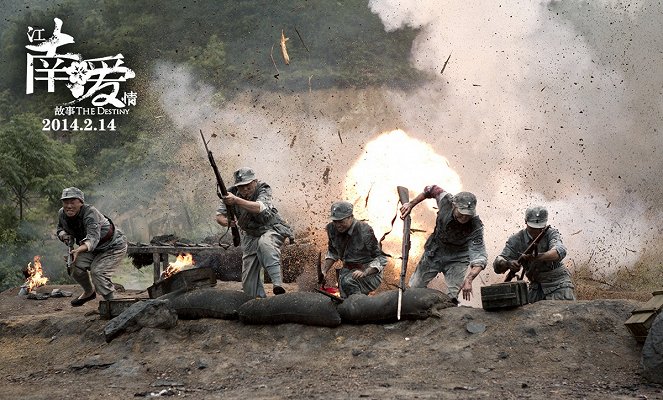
[
  {"x": 417, "y": 303},
  {"x": 652, "y": 352},
  {"x": 422, "y": 303},
  {"x": 207, "y": 303},
  {"x": 304, "y": 308}
]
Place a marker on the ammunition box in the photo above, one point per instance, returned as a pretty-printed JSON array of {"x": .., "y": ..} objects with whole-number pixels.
[
  {"x": 642, "y": 318},
  {"x": 504, "y": 295}
]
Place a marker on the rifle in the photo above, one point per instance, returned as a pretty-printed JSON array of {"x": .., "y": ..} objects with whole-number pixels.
[
  {"x": 221, "y": 191},
  {"x": 70, "y": 258},
  {"x": 532, "y": 248},
  {"x": 404, "y": 197}
]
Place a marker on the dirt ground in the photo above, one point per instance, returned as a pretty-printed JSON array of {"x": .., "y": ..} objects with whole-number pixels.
[{"x": 547, "y": 350}]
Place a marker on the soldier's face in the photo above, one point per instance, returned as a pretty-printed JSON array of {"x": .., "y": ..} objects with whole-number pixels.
[
  {"x": 71, "y": 206},
  {"x": 462, "y": 218},
  {"x": 533, "y": 232},
  {"x": 342, "y": 225},
  {"x": 246, "y": 191}
]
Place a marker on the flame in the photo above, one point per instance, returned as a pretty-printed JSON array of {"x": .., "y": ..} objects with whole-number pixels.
[
  {"x": 183, "y": 260},
  {"x": 35, "y": 274},
  {"x": 395, "y": 159}
]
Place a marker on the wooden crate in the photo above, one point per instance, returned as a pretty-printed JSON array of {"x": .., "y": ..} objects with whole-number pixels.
[
  {"x": 642, "y": 318},
  {"x": 504, "y": 295},
  {"x": 185, "y": 280},
  {"x": 113, "y": 308}
]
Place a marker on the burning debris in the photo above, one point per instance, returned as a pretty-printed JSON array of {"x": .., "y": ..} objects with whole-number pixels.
[
  {"x": 34, "y": 275},
  {"x": 182, "y": 261}
]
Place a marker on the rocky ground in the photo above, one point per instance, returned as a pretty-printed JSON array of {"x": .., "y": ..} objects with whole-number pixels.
[{"x": 547, "y": 350}]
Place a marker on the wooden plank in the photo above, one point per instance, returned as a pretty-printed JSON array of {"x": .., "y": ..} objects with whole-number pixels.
[{"x": 156, "y": 257}]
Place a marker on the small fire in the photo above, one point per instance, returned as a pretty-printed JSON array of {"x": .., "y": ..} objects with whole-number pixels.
[
  {"x": 35, "y": 274},
  {"x": 183, "y": 260}
]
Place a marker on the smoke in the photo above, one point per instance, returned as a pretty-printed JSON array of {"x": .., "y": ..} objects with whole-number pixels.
[
  {"x": 530, "y": 103},
  {"x": 554, "y": 103}
]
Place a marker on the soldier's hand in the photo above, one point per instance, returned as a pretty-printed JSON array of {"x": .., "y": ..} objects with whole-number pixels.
[
  {"x": 513, "y": 265},
  {"x": 357, "y": 274},
  {"x": 64, "y": 237},
  {"x": 466, "y": 289},
  {"x": 230, "y": 199},
  {"x": 405, "y": 209}
]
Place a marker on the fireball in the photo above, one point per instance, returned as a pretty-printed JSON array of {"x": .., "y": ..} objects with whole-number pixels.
[{"x": 395, "y": 159}]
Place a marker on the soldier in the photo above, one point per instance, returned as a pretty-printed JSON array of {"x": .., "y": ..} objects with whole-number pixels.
[
  {"x": 101, "y": 245},
  {"x": 264, "y": 231},
  {"x": 549, "y": 279},
  {"x": 354, "y": 243},
  {"x": 455, "y": 245}
]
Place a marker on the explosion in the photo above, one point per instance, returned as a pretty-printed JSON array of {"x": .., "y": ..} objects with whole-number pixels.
[{"x": 395, "y": 159}]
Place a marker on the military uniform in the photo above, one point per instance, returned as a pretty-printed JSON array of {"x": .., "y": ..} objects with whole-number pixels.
[
  {"x": 263, "y": 236},
  {"x": 358, "y": 248},
  {"x": 453, "y": 246},
  {"x": 107, "y": 245},
  {"x": 549, "y": 280}
]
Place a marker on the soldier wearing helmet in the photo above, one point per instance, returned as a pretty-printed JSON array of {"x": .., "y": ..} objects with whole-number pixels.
[
  {"x": 263, "y": 231},
  {"x": 549, "y": 279},
  {"x": 99, "y": 246},
  {"x": 456, "y": 247},
  {"x": 353, "y": 243}
]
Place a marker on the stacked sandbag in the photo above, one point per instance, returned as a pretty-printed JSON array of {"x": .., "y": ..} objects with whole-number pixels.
[
  {"x": 207, "y": 303},
  {"x": 306, "y": 308},
  {"x": 652, "y": 352},
  {"x": 417, "y": 303}
]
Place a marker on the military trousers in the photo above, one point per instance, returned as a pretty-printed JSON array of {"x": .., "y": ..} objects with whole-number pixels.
[
  {"x": 262, "y": 253},
  {"x": 94, "y": 270}
]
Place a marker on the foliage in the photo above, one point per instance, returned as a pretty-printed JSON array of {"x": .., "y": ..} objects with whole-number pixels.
[{"x": 31, "y": 163}]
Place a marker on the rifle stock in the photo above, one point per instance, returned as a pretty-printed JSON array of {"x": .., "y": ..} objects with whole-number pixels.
[
  {"x": 403, "y": 197},
  {"x": 222, "y": 191},
  {"x": 531, "y": 248}
]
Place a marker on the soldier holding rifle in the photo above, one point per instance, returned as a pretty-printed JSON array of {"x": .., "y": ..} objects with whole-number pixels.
[
  {"x": 100, "y": 249},
  {"x": 264, "y": 231},
  {"x": 549, "y": 279},
  {"x": 456, "y": 245}
]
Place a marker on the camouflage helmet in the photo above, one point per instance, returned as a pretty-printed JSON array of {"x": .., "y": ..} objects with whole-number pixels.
[{"x": 72, "y": 193}]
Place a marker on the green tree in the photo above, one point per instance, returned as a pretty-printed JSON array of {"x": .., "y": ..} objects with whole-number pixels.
[{"x": 32, "y": 165}]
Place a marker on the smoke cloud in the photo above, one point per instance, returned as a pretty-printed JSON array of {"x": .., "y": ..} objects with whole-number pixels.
[{"x": 548, "y": 103}]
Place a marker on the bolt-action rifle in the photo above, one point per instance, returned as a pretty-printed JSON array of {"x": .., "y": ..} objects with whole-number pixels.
[
  {"x": 221, "y": 192},
  {"x": 533, "y": 248},
  {"x": 404, "y": 197},
  {"x": 70, "y": 257}
]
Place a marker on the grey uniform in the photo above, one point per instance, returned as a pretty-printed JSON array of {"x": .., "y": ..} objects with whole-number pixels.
[
  {"x": 263, "y": 236},
  {"x": 549, "y": 280},
  {"x": 107, "y": 246},
  {"x": 358, "y": 248},
  {"x": 452, "y": 247}
]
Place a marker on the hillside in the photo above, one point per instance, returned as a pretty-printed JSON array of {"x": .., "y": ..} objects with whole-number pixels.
[{"x": 547, "y": 350}]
